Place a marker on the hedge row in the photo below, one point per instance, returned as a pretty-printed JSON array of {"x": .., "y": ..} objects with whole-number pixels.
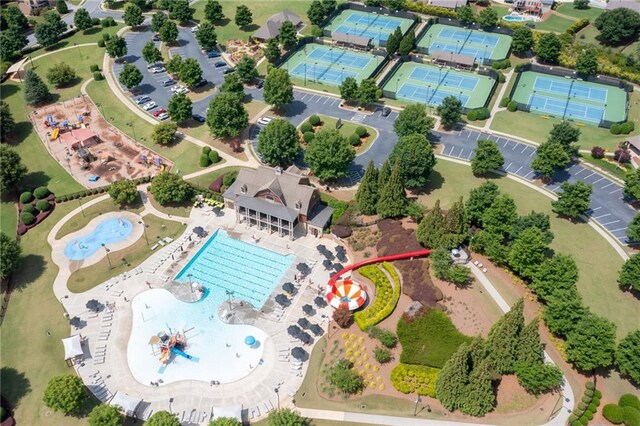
[
  {"x": 100, "y": 190},
  {"x": 478, "y": 114},
  {"x": 577, "y": 26},
  {"x": 386, "y": 296},
  {"x": 587, "y": 407},
  {"x": 415, "y": 379},
  {"x": 622, "y": 128}
]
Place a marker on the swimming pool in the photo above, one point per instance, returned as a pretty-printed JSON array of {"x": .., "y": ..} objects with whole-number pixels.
[
  {"x": 218, "y": 349},
  {"x": 108, "y": 232},
  {"x": 517, "y": 18}
]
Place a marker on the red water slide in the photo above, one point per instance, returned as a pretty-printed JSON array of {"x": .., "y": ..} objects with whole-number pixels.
[{"x": 419, "y": 253}]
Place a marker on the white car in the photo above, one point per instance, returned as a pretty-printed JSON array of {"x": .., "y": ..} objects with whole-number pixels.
[
  {"x": 265, "y": 120},
  {"x": 163, "y": 116},
  {"x": 156, "y": 70},
  {"x": 182, "y": 89},
  {"x": 195, "y": 29},
  {"x": 149, "y": 106}
]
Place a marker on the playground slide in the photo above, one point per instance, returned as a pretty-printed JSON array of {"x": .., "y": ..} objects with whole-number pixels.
[
  {"x": 165, "y": 357},
  {"x": 179, "y": 352},
  {"x": 54, "y": 134},
  {"x": 420, "y": 253}
]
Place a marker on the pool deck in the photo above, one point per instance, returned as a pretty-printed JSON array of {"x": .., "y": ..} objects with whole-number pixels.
[{"x": 194, "y": 401}]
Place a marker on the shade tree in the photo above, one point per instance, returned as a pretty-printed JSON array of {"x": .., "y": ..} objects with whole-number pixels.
[
  {"x": 521, "y": 40},
  {"x": 246, "y": 69},
  {"x": 416, "y": 159},
  {"x": 617, "y": 26},
  {"x": 164, "y": 133},
  {"x": 550, "y": 158},
  {"x": 591, "y": 343},
  {"x": 480, "y": 199},
  {"x": 168, "y": 32},
  {"x": 486, "y": 158},
  {"x": 628, "y": 356},
  {"x": 573, "y": 201},
  {"x": 227, "y": 116},
  {"x": 243, "y": 16},
  {"x": 413, "y": 119},
  {"x": 12, "y": 171},
  {"x": 278, "y": 89},
  {"x": 180, "y": 107},
  {"x": 558, "y": 272},
  {"x": 206, "y": 36},
  {"x": 65, "y": 393},
  {"x": 11, "y": 255},
  {"x": 190, "y": 72},
  {"x": 278, "y": 143},
  {"x": 130, "y": 76},
  {"x": 7, "y": 123},
  {"x": 329, "y": 155},
  {"x": 450, "y": 111},
  {"x": 116, "y": 47},
  {"x": 629, "y": 276},
  {"x": 150, "y": 53},
  {"x": 169, "y": 188},
  {"x": 82, "y": 19},
  {"x": 527, "y": 252},
  {"x": 548, "y": 48},
  {"x": 133, "y": 15},
  {"x": 123, "y": 192},
  {"x": 213, "y": 11}
]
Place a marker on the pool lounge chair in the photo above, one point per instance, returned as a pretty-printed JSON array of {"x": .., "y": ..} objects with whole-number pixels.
[{"x": 168, "y": 240}]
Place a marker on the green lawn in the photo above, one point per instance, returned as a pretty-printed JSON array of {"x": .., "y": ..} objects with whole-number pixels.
[
  {"x": 612, "y": 168},
  {"x": 86, "y": 278},
  {"x": 205, "y": 180},
  {"x": 181, "y": 210},
  {"x": 554, "y": 23},
  {"x": 8, "y": 218},
  {"x": 597, "y": 284},
  {"x": 183, "y": 154},
  {"x": 591, "y": 13},
  {"x": 348, "y": 128},
  {"x": 92, "y": 35}
]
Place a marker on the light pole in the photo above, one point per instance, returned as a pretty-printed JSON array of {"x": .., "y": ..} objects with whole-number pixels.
[
  {"x": 80, "y": 202},
  {"x": 133, "y": 129},
  {"x": 229, "y": 294},
  {"x": 144, "y": 228},
  {"x": 78, "y": 49},
  {"x": 277, "y": 391},
  {"x": 108, "y": 258},
  {"x": 415, "y": 409},
  {"x": 190, "y": 283}
]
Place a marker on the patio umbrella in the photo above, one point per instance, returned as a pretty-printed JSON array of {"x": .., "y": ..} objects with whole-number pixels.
[
  {"x": 93, "y": 305},
  {"x": 282, "y": 300},
  {"x": 329, "y": 255},
  {"x": 299, "y": 353},
  {"x": 337, "y": 267},
  {"x": 304, "y": 323},
  {"x": 294, "y": 330},
  {"x": 76, "y": 322},
  {"x": 303, "y": 267},
  {"x": 308, "y": 309},
  {"x": 305, "y": 338},
  {"x": 199, "y": 231},
  {"x": 341, "y": 254},
  {"x": 322, "y": 248},
  {"x": 289, "y": 288},
  {"x": 316, "y": 329},
  {"x": 327, "y": 264},
  {"x": 320, "y": 302}
]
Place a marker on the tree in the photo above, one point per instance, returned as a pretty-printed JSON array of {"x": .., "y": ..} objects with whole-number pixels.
[
  {"x": 132, "y": 15},
  {"x": 105, "y": 415},
  {"x": 190, "y": 72},
  {"x": 413, "y": 119},
  {"x": 558, "y": 272},
  {"x": 367, "y": 194},
  {"x": 130, "y": 76},
  {"x": 480, "y": 199},
  {"x": 328, "y": 155},
  {"x": 213, "y": 11},
  {"x": 329, "y": 6},
  {"x": 539, "y": 378},
  {"x": 342, "y": 316},
  {"x": 566, "y": 135},
  {"x": 368, "y": 91},
  {"x": 170, "y": 188},
  {"x": 587, "y": 62},
  {"x": 12, "y": 41},
  {"x": 227, "y": 116},
  {"x": 288, "y": 34},
  {"x": 487, "y": 17},
  {"x": 466, "y": 15},
  {"x": 527, "y": 252},
  {"x": 65, "y": 393},
  {"x": 551, "y": 157},
  {"x": 592, "y": 343},
  {"x": 12, "y": 171},
  {"x": 521, "y": 40},
  {"x": 151, "y": 53},
  {"x": 407, "y": 44},
  {"x": 246, "y": 68},
  {"x": 394, "y": 4},
  {"x": 617, "y": 26},
  {"x": 394, "y": 40},
  {"x": 500, "y": 216},
  {"x": 243, "y": 16},
  {"x": 174, "y": 65},
  {"x": 10, "y": 258},
  {"x": 278, "y": 90},
  {"x": 530, "y": 349},
  {"x": 316, "y": 13},
  {"x": 581, "y": 4},
  {"x": 487, "y": 157},
  {"x": 430, "y": 233},
  {"x": 181, "y": 11},
  {"x": 82, "y": 19},
  {"x": 392, "y": 201},
  {"x": 206, "y": 36},
  {"x": 163, "y": 418},
  {"x": 453, "y": 380},
  {"x": 164, "y": 133},
  {"x": 278, "y": 143},
  {"x": 563, "y": 310},
  {"x": 61, "y": 74},
  {"x": 286, "y": 417},
  {"x": 549, "y": 47},
  {"x": 7, "y": 124},
  {"x": 158, "y": 20},
  {"x": 179, "y": 107},
  {"x": 633, "y": 229},
  {"x": 169, "y": 32},
  {"x": 384, "y": 174},
  {"x": 61, "y": 7},
  {"x": 233, "y": 84},
  {"x": 504, "y": 339},
  {"x": 629, "y": 275},
  {"x": 349, "y": 90},
  {"x": 272, "y": 51},
  {"x": 123, "y": 192},
  {"x": 116, "y": 47},
  {"x": 450, "y": 111},
  {"x": 573, "y": 201},
  {"x": 416, "y": 158},
  {"x": 632, "y": 185},
  {"x": 480, "y": 397},
  {"x": 15, "y": 18},
  {"x": 456, "y": 225},
  {"x": 49, "y": 31},
  {"x": 628, "y": 356}
]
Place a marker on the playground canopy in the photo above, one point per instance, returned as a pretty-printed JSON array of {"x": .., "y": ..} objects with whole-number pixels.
[
  {"x": 72, "y": 347},
  {"x": 79, "y": 137},
  {"x": 127, "y": 403}
]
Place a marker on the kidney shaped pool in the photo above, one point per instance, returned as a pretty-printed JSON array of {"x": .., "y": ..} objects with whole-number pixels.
[{"x": 108, "y": 232}]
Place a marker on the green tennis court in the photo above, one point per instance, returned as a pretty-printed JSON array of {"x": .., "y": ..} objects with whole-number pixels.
[
  {"x": 570, "y": 98},
  {"x": 330, "y": 64},
  {"x": 479, "y": 44},
  {"x": 430, "y": 84},
  {"x": 366, "y": 24}
]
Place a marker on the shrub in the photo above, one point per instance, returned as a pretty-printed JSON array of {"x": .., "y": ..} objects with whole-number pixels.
[
  {"x": 501, "y": 77},
  {"x": 361, "y": 131},
  {"x": 30, "y": 208},
  {"x": 584, "y": 421},
  {"x": 631, "y": 416},
  {"x": 386, "y": 295},
  {"x": 314, "y": 120},
  {"x": 214, "y": 156},
  {"x": 97, "y": 76},
  {"x": 615, "y": 129},
  {"x": 590, "y": 385},
  {"x": 588, "y": 415},
  {"x": 316, "y": 31},
  {"x": 577, "y": 26},
  {"x": 43, "y": 205},
  {"x": 306, "y": 127},
  {"x": 627, "y": 127},
  {"x": 26, "y": 197},
  {"x": 500, "y": 65},
  {"x": 27, "y": 218},
  {"x": 613, "y": 413},
  {"x": 588, "y": 392},
  {"x": 101, "y": 43},
  {"x": 204, "y": 160},
  {"x": 620, "y": 155},
  {"x": 472, "y": 115},
  {"x": 504, "y": 102},
  {"x": 344, "y": 378},
  {"x": 512, "y": 106},
  {"x": 108, "y": 22},
  {"x": 597, "y": 153},
  {"x": 382, "y": 355},
  {"x": 95, "y": 21},
  {"x": 94, "y": 68},
  {"x": 106, "y": 37},
  {"x": 343, "y": 317},
  {"x": 629, "y": 400},
  {"x": 592, "y": 407},
  {"x": 481, "y": 113},
  {"x": 385, "y": 337},
  {"x": 41, "y": 192},
  {"x": 206, "y": 150},
  {"x": 518, "y": 67},
  {"x": 229, "y": 178},
  {"x": 415, "y": 379},
  {"x": 308, "y": 136},
  {"x": 354, "y": 140},
  {"x": 582, "y": 406}
]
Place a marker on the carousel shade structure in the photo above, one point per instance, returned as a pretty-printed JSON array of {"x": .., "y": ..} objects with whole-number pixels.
[
  {"x": 250, "y": 340},
  {"x": 348, "y": 292}
]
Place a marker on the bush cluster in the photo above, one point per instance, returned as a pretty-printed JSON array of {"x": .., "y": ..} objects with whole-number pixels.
[
  {"x": 26, "y": 197},
  {"x": 344, "y": 378},
  {"x": 415, "y": 379},
  {"x": 308, "y": 136},
  {"x": 30, "y": 208},
  {"x": 101, "y": 43},
  {"x": 94, "y": 191},
  {"x": 512, "y": 106},
  {"x": 41, "y": 192},
  {"x": 314, "y": 120},
  {"x": 361, "y": 131},
  {"x": 382, "y": 355},
  {"x": 27, "y": 218},
  {"x": 577, "y": 26},
  {"x": 502, "y": 64},
  {"x": 43, "y": 205},
  {"x": 597, "y": 152},
  {"x": 627, "y": 411},
  {"x": 478, "y": 114},
  {"x": 306, "y": 127},
  {"x": 430, "y": 10},
  {"x": 387, "y": 338},
  {"x": 504, "y": 102},
  {"x": 108, "y": 22},
  {"x": 97, "y": 76},
  {"x": 501, "y": 77},
  {"x": 386, "y": 296},
  {"x": 94, "y": 68},
  {"x": 587, "y": 407},
  {"x": 354, "y": 140},
  {"x": 622, "y": 155},
  {"x": 622, "y": 128}
]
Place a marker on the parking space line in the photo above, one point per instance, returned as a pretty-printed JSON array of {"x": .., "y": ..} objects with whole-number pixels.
[
  {"x": 469, "y": 135},
  {"x": 519, "y": 168},
  {"x": 598, "y": 181},
  {"x": 601, "y": 216},
  {"x": 530, "y": 173},
  {"x": 610, "y": 223},
  {"x": 555, "y": 189},
  {"x": 319, "y": 99},
  {"x": 524, "y": 149},
  {"x": 597, "y": 208},
  {"x": 450, "y": 151},
  {"x": 580, "y": 171},
  {"x": 532, "y": 152},
  {"x": 515, "y": 146},
  {"x": 619, "y": 229},
  {"x": 460, "y": 155},
  {"x": 587, "y": 177},
  {"x": 507, "y": 168},
  {"x": 615, "y": 190},
  {"x": 608, "y": 185},
  {"x": 478, "y": 137},
  {"x": 470, "y": 155},
  {"x": 328, "y": 99}
]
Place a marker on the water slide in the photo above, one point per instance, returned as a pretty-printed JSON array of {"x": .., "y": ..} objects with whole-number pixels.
[
  {"x": 419, "y": 253},
  {"x": 179, "y": 352}
]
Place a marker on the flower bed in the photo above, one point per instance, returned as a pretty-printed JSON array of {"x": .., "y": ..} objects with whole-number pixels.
[
  {"x": 415, "y": 379},
  {"x": 387, "y": 296}
]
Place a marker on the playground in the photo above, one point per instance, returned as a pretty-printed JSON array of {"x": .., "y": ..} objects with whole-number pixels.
[
  {"x": 92, "y": 151},
  {"x": 479, "y": 44},
  {"x": 429, "y": 84},
  {"x": 573, "y": 99},
  {"x": 365, "y": 24},
  {"x": 330, "y": 65}
]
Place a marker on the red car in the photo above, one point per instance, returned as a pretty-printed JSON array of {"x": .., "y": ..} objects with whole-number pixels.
[{"x": 158, "y": 112}]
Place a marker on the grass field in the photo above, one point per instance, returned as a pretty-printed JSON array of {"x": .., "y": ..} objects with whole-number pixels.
[
  {"x": 596, "y": 285},
  {"x": 8, "y": 218},
  {"x": 86, "y": 278},
  {"x": 555, "y": 24},
  {"x": 591, "y": 13},
  {"x": 183, "y": 154},
  {"x": 205, "y": 180},
  {"x": 92, "y": 35},
  {"x": 348, "y": 128},
  {"x": 181, "y": 210}
]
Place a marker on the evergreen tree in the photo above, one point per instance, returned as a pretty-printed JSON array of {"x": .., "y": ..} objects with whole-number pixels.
[
  {"x": 158, "y": 20},
  {"x": 407, "y": 43},
  {"x": 504, "y": 339},
  {"x": 35, "y": 91},
  {"x": 246, "y": 69},
  {"x": 7, "y": 123},
  {"x": 487, "y": 157},
  {"x": 573, "y": 201},
  {"x": 392, "y": 201},
  {"x": 393, "y": 41},
  {"x": 453, "y": 380},
  {"x": 480, "y": 395},
  {"x": 539, "y": 378},
  {"x": 430, "y": 231},
  {"x": 213, "y": 11},
  {"x": 133, "y": 15},
  {"x": 367, "y": 194},
  {"x": 416, "y": 157},
  {"x": 527, "y": 252},
  {"x": 592, "y": 343},
  {"x": 315, "y": 12},
  {"x": 349, "y": 90},
  {"x": 480, "y": 199},
  {"x": 563, "y": 310},
  {"x": 384, "y": 174},
  {"x": 455, "y": 225},
  {"x": 243, "y": 16},
  {"x": 557, "y": 272},
  {"x": 450, "y": 111},
  {"x": 272, "y": 52},
  {"x": 12, "y": 171},
  {"x": 500, "y": 216},
  {"x": 530, "y": 349}
]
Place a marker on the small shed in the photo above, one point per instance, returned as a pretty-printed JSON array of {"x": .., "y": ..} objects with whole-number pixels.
[{"x": 455, "y": 59}]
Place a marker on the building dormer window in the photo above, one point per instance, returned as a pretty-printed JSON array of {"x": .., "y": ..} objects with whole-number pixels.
[
  {"x": 243, "y": 189},
  {"x": 298, "y": 205},
  {"x": 268, "y": 198}
]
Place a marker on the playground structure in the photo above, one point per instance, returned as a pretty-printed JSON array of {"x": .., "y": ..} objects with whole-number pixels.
[
  {"x": 172, "y": 345},
  {"x": 347, "y": 292}
]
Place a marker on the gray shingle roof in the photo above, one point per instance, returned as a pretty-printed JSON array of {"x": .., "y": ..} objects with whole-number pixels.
[{"x": 273, "y": 24}]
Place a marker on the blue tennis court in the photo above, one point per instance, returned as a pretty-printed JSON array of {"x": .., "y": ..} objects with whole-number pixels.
[
  {"x": 446, "y": 79},
  {"x": 321, "y": 73},
  {"x": 376, "y": 35},
  {"x": 340, "y": 57},
  {"x": 431, "y": 96},
  {"x": 369, "y": 19},
  {"x": 566, "y": 108},
  {"x": 478, "y": 54},
  {"x": 571, "y": 88},
  {"x": 368, "y": 24},
  {"x": 469, "y": 36}
]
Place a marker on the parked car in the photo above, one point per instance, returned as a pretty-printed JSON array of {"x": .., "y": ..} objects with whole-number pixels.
[
  {"x": 182, "y": 90},
  {"x": 154, "y": 65},
  {"x": 229, "y": 71},
  {"x": 149, "y": 106},
  {"x": 156, "y": 70},
  {"x": 159, "y": 111},
  {"x": 213, "y": 54},
  {"x": 260, "y": 84},
  {"x": 220, "y": 64},
  {"x": 201, "y": 83},
  {"x": 168, "y": 82},
  {"x": 386, "y": 111},
  {"x": 163, "y": 116},
  {"x": 199, "y": 118},
  {"x": 265, "y": 120},
  {"x": 142, "y": 99},
  {"x": 156, "y": 37},
  {"x": 195, "y": 29}
]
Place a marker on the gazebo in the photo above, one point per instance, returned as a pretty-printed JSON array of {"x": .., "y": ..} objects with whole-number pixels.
[{"x": 72, "y": 347}]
